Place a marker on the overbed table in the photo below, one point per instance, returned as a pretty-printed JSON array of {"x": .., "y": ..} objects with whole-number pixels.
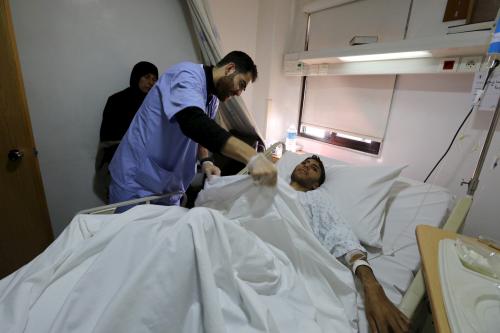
[{"x": 428, "y": 244}]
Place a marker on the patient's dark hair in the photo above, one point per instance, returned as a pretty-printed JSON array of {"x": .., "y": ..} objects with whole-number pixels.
[
  {"x": 242, "y": 61},
  {"x": 322, "y": 167}
]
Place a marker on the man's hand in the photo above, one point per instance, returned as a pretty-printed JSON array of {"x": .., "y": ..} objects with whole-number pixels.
[
  {"x": 210, "y": 170},
  {"x": 262, "y": 170},
  {"x": 382, "y": 315}
]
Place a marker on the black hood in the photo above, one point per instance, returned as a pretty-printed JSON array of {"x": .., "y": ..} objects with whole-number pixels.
[{"x": 140, "y": 69}]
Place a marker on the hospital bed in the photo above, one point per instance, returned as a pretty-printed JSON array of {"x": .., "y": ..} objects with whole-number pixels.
[
  {"x": 397, "y": 264},
  {"x": 409, "y": 203}
]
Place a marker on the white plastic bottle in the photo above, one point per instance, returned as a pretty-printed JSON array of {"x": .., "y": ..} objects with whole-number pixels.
[{"x": 291, "y": 138}]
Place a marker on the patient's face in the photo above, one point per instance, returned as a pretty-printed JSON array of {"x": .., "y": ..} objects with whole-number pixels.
[{"x": 307, "y": 173}]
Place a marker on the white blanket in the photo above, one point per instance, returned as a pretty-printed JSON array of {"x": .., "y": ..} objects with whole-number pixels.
[{"x": 246, "y": 262}]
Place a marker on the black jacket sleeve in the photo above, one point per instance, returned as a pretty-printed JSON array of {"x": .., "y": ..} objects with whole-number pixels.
[{"x": 199, "y": 127}]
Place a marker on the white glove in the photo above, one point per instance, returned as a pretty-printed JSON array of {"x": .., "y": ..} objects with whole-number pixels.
[
  {"x": 210, "y": 170},
  {"x": 262, "y": 170}
]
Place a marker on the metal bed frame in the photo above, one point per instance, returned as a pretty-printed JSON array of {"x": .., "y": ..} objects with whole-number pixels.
[{"x": 110, "y": 209}]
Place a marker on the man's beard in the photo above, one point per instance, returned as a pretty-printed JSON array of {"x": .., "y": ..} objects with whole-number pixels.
[
  {"x": 223, "y": 87},
  {"x": 306, "y": 183}
]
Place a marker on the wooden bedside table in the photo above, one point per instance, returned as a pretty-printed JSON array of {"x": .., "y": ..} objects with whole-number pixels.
[{"x": 428, "y": 244}]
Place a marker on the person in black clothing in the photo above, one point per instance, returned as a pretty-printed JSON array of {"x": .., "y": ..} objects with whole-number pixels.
[
  {"x": 118, "y": 113},
  {"x": 122, "y": 106}
]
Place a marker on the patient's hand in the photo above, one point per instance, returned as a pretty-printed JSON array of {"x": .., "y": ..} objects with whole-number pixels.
[{"x": 382, "y": 315}]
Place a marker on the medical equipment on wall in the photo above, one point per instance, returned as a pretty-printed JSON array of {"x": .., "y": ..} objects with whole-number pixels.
[
  {"x": 461, "y": 209},
  {"x": 494, "y": 61},
  {"x": 465, "y": 204}
]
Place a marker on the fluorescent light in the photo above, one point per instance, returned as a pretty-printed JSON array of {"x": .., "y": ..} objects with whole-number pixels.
[
  {"x": 386, "y": 56},
  {"x": 352, "y": 137}
]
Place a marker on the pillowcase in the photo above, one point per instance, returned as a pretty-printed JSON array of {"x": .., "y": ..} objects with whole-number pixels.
[
  {"x": 410, "y": 203},
  {"x": 359, "y": 192}
]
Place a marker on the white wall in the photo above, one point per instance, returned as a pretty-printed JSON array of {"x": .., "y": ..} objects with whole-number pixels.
[
  {"x": 277, "y": 94},
  {"x": 235, "y": 21},
  {"x": 74, "y": 54},
  {"x": 261, "y": 28},
  {"x": 425, "y": 111}
]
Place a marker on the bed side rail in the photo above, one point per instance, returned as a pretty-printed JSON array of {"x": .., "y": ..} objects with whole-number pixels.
[
  {"x": 109, "y": 209},
  {"x": 416, "y": 291}
]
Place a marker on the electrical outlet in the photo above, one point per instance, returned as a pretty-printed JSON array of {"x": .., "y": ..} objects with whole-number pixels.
[
  {"x": 470, "y": 64},
  {"x": 448, "y": 64},
  {"x": 293, "y": 67}
]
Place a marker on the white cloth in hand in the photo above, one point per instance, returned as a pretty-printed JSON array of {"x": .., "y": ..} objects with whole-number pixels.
[
  {"x": 210, "y": 170},
  {"x": 262, "y": 170}
]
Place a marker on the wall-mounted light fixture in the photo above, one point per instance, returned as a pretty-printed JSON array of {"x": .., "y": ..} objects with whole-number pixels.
[{"x": 387, "y": 56}]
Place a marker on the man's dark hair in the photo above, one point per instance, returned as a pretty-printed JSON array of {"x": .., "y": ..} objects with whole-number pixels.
[
  {"x": 242, "y": 61},
  {"x": 322, "y": 176}
]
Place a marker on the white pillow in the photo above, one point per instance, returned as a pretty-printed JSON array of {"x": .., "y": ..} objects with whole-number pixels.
[
  {"x": 359, "y": 192},
  {"x": 410, "y": 203}
]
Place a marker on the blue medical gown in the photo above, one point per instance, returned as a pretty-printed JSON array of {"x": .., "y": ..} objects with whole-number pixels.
[{"x": 154, "y": 156}]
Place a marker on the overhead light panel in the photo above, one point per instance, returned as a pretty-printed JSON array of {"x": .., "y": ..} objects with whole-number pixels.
[{"x": 387, "y": 56}]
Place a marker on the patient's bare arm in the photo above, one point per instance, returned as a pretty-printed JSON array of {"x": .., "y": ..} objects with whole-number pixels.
[{"x": 382, "y": 315}]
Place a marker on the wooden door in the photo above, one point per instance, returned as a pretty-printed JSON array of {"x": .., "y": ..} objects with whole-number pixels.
[{"x": 24, "y": 220}]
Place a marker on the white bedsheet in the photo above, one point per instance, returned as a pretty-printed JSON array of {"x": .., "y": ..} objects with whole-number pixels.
[
  {"x": 410, "y": 203},
  {"x": 249, "y": 266}
]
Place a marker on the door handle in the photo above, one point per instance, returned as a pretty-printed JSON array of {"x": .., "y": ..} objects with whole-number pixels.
[{"x": 15, "y": 155}]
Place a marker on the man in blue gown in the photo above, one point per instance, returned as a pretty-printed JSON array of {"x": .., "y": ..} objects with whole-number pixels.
[{"x": 174, "y": 126}]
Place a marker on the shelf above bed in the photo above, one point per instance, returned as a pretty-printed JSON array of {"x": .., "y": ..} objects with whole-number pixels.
[{"x": 457, "y": 49}]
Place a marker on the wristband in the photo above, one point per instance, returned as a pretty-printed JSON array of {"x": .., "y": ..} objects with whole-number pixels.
[
  {"x": 351, "y": 256},
  {"x": 358, "y": 263}
]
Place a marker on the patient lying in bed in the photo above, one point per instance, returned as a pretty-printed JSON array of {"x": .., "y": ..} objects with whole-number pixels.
[
  {"x": 243, "y": 262},
  {"x": 338, "y": 238}
]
